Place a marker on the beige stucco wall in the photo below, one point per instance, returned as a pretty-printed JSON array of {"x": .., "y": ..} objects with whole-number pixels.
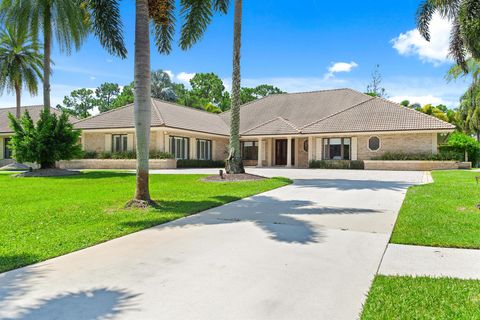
[
  {"x": 101, "y": 141},
  {"x": 93, "y": 141},
  {"x": 301, "y": 158},
  {"x": 400, "y": 142}
]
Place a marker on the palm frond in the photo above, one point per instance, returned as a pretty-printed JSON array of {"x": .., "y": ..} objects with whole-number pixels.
[
  {"x": 424, "y": 16},
  {"x": 221, "y": 6},
  {"x": 457, "y": 46},
  {"x": 197, "y": 14},
  {"x": 162, "y": 13},
  {"x": 106, "y": 24}
]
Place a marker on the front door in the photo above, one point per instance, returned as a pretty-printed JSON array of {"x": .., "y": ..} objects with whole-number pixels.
[{"x": 281, "y": 152}]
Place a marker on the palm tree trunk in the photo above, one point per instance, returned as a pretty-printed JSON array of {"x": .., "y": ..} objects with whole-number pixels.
[
  {"x": 234, "y": 161},
  {"x": 142, "y": 104},
  {"x": 18, "y": 98},
  {"x": 47, "y": 43}
]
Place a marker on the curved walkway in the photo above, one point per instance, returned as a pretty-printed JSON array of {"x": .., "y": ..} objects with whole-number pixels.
[{"x": 305, "y": 251}]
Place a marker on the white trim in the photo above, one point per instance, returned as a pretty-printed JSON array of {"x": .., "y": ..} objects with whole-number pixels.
[{"x": 379, "y": 143}]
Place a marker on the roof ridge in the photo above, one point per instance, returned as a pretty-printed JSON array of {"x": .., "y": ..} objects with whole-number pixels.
[
  {"x": 411, "y": 109},
  {"x": 336, "y": 113},
  {"x": 159, "y": 114},
  {"x": 269, "y": 121},
  {"x": 106, "y": 112},
  {"x": 251, "y": 102},
  {"x": 185, "y": 107},
  {"x": 290, "y": 124}
]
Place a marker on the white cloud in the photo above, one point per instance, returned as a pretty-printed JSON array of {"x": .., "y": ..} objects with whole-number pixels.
[
  {"x": 435, "y": 51},
  {"x": 170, "y": 73},
  {"x": 422, "y": 100},
  {"x": 340, "y": 67},
  {"x": 185, "y": 77}
]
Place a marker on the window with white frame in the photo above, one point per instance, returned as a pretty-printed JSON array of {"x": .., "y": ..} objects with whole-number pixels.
[
  {"x": 179, "y": 147},
  {"x": 119, "y": 143},
  {"x": 336, "y": 148},
  {"x": 204, "y": 149}
]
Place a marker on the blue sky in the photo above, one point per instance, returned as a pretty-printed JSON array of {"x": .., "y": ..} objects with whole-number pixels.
[{"x": 296, "y": 45}]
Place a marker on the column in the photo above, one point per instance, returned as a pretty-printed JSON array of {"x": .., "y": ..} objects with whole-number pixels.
[
  {"x": 167, "y": 143},
  {"x": 260, "y": 152},
  {"x": 310, "y": 149},
  {"x": 2, "y": 147},
  {"x": 161, "y": 141},
  {"x": 108, "y": 143},
  {"x": 434, "y": 142},
  {"x": 193, "y": 148},
  {"x": 354, "y": 155},
  {"x": 131, "y": 142},
  {"x": 289, "y": 152},
  {"x": 269, "y": 152},
  {"x": 319, "y": 149}
]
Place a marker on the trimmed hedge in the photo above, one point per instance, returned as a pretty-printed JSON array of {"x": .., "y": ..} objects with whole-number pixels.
[
  {"x": 443, "y": 155},
  {"x": 124, "y": 155},
  {"x": 336, "y": 164},
  {"x": 193, "y": 163}
]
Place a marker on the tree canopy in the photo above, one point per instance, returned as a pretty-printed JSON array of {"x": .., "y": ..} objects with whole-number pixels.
[{"x": 207, "y": 92}]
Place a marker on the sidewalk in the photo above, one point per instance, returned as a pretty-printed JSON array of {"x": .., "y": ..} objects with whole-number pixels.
[{"x": 410, "y": 260}]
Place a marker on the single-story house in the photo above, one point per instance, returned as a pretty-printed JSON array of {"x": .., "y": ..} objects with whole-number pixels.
[{"x": 278, "y": 130}]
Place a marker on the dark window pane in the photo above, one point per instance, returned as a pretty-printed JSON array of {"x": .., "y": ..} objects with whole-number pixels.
[{"x": 374, "y": 143}]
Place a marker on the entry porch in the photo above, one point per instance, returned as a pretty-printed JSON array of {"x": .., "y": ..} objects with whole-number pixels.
[{"x": 296, "y": 151}]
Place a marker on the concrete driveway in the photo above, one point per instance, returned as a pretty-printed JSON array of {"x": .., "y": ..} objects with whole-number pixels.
[{"x": 306, "y": 251}]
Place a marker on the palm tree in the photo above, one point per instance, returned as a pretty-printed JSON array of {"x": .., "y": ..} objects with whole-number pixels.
[
  {"x": 465, "y": 15},
  {"x": 234, "y": 161},
  {"x": 69, "y": 22},
  {"x": 20, "y": 64},
  {"x": 196, "y": 15}
]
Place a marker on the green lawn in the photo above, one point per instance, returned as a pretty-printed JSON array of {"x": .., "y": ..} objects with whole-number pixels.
[
  {"x": 441, "y": 214},
  {"x": 42, "y": 218},
  {"x": 422, "y": 298}
]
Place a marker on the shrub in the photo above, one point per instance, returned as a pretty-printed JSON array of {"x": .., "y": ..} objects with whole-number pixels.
[
  {"x": 465, "y": 143},
  {"x": 336, "y": 164},
  {"x": 193, "y": 163},
  {"x": 51, "y": 139},
  {"x": 441, "y": 156},
  {"x": 124, "y": 155}
]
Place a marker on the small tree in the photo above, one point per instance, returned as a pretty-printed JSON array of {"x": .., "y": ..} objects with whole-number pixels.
[
  {"x": 51, "y": 139},
  {"x": 470, "y": 146}
]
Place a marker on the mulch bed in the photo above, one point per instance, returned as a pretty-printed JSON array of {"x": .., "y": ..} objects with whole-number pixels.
[
  {"x": 48, "y": 173},
  {"x": 233, "y": 178}
]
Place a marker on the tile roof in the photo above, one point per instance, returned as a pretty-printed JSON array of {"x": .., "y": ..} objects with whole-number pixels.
[
  {"x": 377, "y": 114},
  {"x": 163, "y": 114},
  {"x": 34, "y": 112},
  {"x": 328, "y": 111}
]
